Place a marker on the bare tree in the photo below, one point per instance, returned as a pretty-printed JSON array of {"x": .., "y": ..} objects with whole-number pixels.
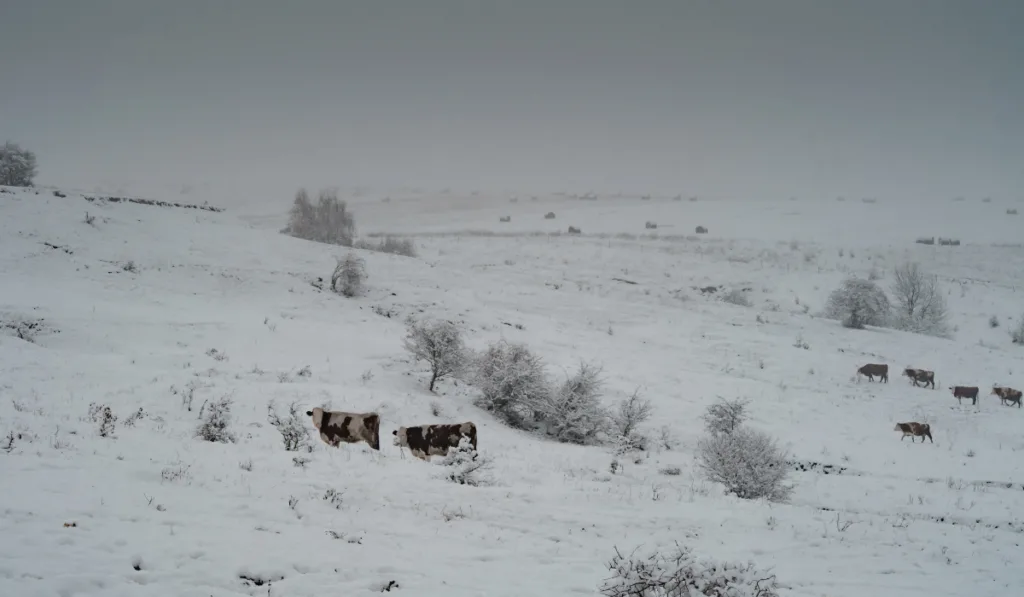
[
  {"x": 439, "y": 343},
  {"x": 857, "y": 303},
  {"x": 632, "y": 412},
  {"x": 573, "y": 413},
  {"x": 920, "y": 306},
  {"x": 724, "y": 416},
  {"x": 17, "y": 166},
  {"x": 329, "y": 221},
  {"x": 748, "y": 462}
]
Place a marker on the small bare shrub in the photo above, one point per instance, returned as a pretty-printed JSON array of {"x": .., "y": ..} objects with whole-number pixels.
[
  {"x": 292, "y": 428},
  {"x": 549, "y": 216},
  {"x": 389, "y": 244},
  {"x": 678, "y": 573},
  {"x": 920, "y": 306},
  {"x": 104, "y": 417},
  {"x": 725, "y": 416},
  {"x": 216, "y": 355},
  {"x": 993, "y": 322},
  {"x": 246, "y": 465},
  {"x": 439, "y": 343},
  {"x": 1011, "y": 212},
  {"x": 747, "y": 462},
  {"x": 630, "y": 414},
  {"x": 335, "y": 498},
  {"x": 134, "y": 418},
  {"x": 215, "y": 423},
  {"x": 349, "y": 275}
]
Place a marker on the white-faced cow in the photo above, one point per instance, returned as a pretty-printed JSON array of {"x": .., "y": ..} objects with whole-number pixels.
[
  {"x": 872, "y": 369},
  {"x": 920, "y": 376},
  {"x": 1007, "y": 396},
  {"x": 961, "y": 392},
  {"x": 921, "y": 430},
  {"x": 336, "y": 427},
  {"x": 425, "y": 441}
]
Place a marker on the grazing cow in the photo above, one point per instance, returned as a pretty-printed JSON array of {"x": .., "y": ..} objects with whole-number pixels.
[
  {"x": 872, "y": 369},
  {"x": 922, "y": 376},
  {"x": 914, "y": 430},
  {"x": 425, "y": 441},
  {"x": 1007, "y": 396},
  {"x": 961, "y": 392},
  {"x": 336, "y": 426}
]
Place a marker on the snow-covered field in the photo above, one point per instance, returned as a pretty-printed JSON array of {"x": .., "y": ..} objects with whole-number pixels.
[{"x": 156, "y": 511}]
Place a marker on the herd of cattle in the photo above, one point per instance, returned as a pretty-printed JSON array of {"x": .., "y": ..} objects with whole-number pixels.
[
  {"x": 337, "y": 427},
  {"x": 924, "y": 378}
]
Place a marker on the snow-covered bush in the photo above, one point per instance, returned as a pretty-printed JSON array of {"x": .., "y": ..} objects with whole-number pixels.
[
  {"x": 725, "y": 416},
  {"x": 857, "y": 303},
  {"x": 17, "y": 166},
  {"x": 512, "y": 382},
  {"x": 626, "y": 420},
  {"x": 389, "y": 244},
  {"x": 573, "y": 413},
  {"x": 215, "y": 420},
  {"x": 679, "y": 573},
  {"x": 920, "y": 306},
  {"x": 1017, "y": 333},
  {"x": 748, "y": 462},
  {"x": 439, "y": 343},
  {"x": 329, "y": 221},
  {"x": 292, "y": 428},
  {"x": 349, "y": 274},
  {"x": 465, "y": 465},
  {"x": 736, "y": 297}
]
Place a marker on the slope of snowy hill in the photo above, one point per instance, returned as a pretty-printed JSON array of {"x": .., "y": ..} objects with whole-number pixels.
[{"x": 169, "y": 310}]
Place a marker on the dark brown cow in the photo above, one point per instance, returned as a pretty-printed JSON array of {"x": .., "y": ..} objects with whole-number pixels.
[
  {"x": 336, "y": 426},
  {"x": 922, "y": 376},
  {"x": 1007, "y": 396},
  {"x": 425, "y": 441},
  {"x": 921, "y": 430},
  {"x": 961, "y": 392},
  {"x": 872, "y": 369}
]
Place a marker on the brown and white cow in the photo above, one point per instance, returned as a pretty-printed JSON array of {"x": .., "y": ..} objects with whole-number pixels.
[
  {"x": 1007, "y": 396},
  {"x": 872, "y": 369},
  {"x": 922, "y": 376},
  {"x": 337, "y": 426},
  {"x": 961, "y": 392},
  {"x": 921, "y": 430},
  {"x": 425, "y": 441}
]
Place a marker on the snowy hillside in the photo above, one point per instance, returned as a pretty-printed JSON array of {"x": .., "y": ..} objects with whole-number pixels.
[{"x": 161, "y": 308}]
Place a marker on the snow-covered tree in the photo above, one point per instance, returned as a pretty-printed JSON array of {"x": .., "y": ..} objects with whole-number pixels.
[
  {"x": 724, "y": 416},
  {"x": 512, "y": 382},
  {"x": 574, "y": 413},
  {"x": 17, "y": 166},
  {"x": 329, "y": 221},
  {"x": 439, "y": 343},
  {"x": 466, "y": 465},
  {"x": 920, "y": 306},
  {"x": 858, "y": 302}
]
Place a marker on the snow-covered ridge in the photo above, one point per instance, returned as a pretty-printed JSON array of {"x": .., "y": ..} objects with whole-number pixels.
[{"x": 125, "y": 311}]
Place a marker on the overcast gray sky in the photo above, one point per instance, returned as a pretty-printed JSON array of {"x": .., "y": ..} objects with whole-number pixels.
[{"x": 772, "y": 98}]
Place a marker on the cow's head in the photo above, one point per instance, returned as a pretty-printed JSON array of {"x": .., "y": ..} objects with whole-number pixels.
[
  {"x": 400, "y": 438},
  {"x": 317, "y": 414}
]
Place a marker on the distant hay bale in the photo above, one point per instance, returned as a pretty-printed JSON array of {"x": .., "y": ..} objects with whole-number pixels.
[
  {"x": 949, "y": 242},
  {"x": 505, "y": 219},
  {"x": 1011, "y": 212},
  {"x": 702, "y": 230},
  {"x": 650, "y": 225},
  {"x": 549, "y": 216},
  {"x": 574, "y": 230},
  {"x": 925, "y": 240}
]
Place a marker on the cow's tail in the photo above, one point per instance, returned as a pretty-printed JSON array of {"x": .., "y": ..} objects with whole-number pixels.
[{"x": 472, "y": 435}]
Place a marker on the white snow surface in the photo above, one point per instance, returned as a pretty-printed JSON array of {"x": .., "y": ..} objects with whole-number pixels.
[{"x": 904, "y": 519}]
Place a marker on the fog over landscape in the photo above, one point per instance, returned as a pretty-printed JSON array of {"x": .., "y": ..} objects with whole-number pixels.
[{"x": 512, "y": 299}]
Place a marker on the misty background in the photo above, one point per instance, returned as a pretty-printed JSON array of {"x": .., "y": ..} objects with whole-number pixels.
[{"x": 808, "y": 98}]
